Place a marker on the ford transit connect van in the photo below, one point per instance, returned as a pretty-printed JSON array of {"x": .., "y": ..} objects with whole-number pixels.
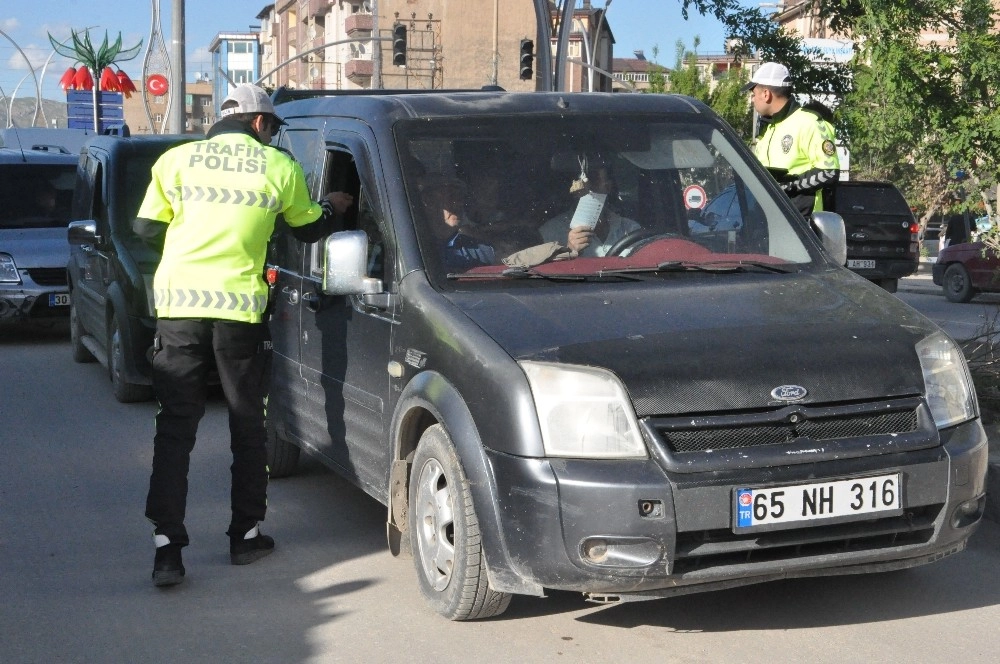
[{"x": 658, "y": 412}]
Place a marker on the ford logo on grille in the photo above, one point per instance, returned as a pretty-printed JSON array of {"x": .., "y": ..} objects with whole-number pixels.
[{"x": 789, "y": 392}]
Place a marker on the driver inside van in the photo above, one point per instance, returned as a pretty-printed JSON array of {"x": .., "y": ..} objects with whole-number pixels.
[
  {"x": 610, "y": 226},
  {"x": 444, "y": 203}
]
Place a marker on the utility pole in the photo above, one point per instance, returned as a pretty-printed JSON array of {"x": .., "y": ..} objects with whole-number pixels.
[{"x": 176, "y": 112}]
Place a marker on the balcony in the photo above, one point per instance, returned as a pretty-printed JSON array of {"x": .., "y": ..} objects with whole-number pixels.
[
  {"x": 311, "y": 8},
  {"x": 359, "y": 72},
  {"x": 358, "y": 23}
]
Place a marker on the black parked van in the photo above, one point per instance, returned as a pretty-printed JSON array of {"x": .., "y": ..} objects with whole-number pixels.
[
  {"x": 110, "y": 270},
  {"x": 676, "y": 407},
  {"x": 882, "y": 234}
]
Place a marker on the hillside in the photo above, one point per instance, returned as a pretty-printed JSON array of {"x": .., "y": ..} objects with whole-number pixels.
[{"x": 24, "y": 111}]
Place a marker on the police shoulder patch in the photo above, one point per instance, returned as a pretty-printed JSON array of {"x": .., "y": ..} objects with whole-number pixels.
[{"x": 829, "y": 148}]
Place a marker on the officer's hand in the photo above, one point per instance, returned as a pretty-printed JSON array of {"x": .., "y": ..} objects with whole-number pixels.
[{"x": 340, "y": 201}]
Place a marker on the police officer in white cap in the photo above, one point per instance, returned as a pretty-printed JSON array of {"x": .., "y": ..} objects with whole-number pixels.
[
  {"x": 211, "y": 207},
  {"x": 798, "y": 144}
]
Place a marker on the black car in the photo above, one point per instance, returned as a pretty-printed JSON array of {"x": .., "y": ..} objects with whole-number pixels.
[
  {"x": 882, "y": 234},
  {"x": 37, "y": 171},
  {"x": 663, "y": 412},
  {"x": 110, "y": 269}
]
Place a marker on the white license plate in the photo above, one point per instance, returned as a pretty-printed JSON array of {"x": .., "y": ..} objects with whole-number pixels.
[
  {"x": 863, "y": 264},
  {"x": 58, "y": 299},
  {"x": 837, "y": 499}
]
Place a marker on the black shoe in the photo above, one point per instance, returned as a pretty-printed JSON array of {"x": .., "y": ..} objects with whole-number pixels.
[
  {"x": 243, "y": 551},
  {"x": 168, "y": 570}
]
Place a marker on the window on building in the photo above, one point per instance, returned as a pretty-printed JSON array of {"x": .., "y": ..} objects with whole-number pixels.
[
  {"x": 241, "y": 75},
  {"x": 206, "y": 101},
  {"x": 158, "y": 117}
]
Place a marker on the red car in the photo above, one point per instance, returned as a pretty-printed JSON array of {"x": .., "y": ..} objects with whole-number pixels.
[{"x": 966, "y": 269}]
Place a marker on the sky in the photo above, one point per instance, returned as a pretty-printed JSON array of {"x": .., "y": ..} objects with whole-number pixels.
[{"x": 636, "y": 25}]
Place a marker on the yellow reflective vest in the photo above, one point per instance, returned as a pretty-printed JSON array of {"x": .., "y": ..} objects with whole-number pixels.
[
  {"x": 219, "y": 198},
  {"x": 799, "y": 142}
]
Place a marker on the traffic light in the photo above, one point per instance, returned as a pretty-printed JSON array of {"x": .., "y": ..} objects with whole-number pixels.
[
  {"x": 399, "y": 45},
  {"x": 527, "y": 59}
]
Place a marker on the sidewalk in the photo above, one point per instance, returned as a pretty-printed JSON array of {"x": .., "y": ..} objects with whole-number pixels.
[{"x": 921, "y": 282}]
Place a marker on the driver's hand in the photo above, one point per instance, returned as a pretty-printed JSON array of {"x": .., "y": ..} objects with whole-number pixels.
[
  {"x": 579, "y": 238},
  {"x": 340, "y": 201}
]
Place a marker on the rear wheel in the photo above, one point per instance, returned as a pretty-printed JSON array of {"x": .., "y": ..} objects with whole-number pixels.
[
  {"x": 890, "y": 285},
  {"x": 282, "y": 456},
  {"x": 957, "y": 284},
  {"x": 76, "y": 334},
  {"x": 124, "y": 391},
  {"x": 444, "y": 534}
]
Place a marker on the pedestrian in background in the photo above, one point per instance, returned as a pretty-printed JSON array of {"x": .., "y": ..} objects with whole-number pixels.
[
  {"x": 798, "y": 144},
  {"x": 211, "y": 207}
]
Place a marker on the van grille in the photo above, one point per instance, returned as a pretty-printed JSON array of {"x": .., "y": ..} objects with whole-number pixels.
[
  {"x": 700, "y": 439},
  {"x": 48, "y": 276},
  {"x": 708, "y": 549}
]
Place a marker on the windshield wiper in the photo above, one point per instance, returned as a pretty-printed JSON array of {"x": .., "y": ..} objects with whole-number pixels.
[
  {"x": 716, "y": 267},
  {"x": 531, "y": 273}
]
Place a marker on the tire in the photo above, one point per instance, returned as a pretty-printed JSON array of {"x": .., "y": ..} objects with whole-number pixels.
[
  {"x": 282, "y": 456},
  {"x": 890, "y": 285},
  {"x": 76, "y": 334},
  {"x": 124, "y": 392},
  {"x": 444, "y": 534},
  {"x": 957, "y": 284}
]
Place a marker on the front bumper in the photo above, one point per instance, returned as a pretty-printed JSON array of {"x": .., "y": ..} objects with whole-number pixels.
[
  {"x": 672, "y": 531},
  {"x": 23, "y": 302}
]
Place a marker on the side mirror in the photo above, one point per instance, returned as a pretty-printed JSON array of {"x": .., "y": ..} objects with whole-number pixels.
[
  {"x": 345, "y": 259},
  {"x": 83, "y": 232},
  {"x": 834, "y": 235}
]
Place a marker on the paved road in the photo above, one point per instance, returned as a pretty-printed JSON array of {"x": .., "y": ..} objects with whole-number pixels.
[{"x": 75, "y": 559}]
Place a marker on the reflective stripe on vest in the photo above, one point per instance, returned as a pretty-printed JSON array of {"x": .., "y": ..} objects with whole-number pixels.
[
  {"x": 208, "y": 300},
  {"x": 224, "y": 195}
]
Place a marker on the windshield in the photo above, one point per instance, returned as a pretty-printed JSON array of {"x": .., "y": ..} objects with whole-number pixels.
[
  {"x": 587, "y": 195},
  {"x": 36, "y": 195}
]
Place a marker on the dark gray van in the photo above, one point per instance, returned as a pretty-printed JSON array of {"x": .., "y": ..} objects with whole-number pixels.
[
  {"x": 110, "y": 271},
  {"x": 664, "y": 411}
]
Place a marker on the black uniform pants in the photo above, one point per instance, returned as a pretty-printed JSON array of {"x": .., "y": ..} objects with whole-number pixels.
[{"x": 184, "y": 353}]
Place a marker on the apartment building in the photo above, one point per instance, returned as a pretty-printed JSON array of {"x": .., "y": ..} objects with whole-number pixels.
[{"x": 346, "y": 44}]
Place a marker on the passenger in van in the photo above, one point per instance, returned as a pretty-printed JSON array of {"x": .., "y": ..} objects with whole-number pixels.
[
  {"x": 610, "y": 227},
  {"x": 493, "y": 213},
  {"x": 444, "y": 201}
]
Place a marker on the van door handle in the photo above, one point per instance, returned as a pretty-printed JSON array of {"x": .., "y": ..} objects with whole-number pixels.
[
  {"x": 312, "y": 301},
  {"x": 291, "y": 293}
]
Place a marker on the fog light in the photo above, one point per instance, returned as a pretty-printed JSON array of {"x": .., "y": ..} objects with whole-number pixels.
[
  {"x": 595, "y": 550},
  {"x": 968, "y": 512},
  {"x": 621, "y": 551}
]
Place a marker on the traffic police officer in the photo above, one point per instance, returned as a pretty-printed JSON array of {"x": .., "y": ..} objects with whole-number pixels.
[
  {"x": 797, "y": 144},
  {"x": 211, "y": 207}
]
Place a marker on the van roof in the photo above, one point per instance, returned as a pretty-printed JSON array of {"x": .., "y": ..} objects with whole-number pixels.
[{"x": 388, "y": 106}]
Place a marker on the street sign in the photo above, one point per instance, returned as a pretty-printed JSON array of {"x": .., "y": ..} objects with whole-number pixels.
[
  {"x": 80, "y": 110},
  {"x": 694, "y": 197}
]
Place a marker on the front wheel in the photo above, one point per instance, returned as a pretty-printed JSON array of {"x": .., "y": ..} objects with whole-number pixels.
[
  {"x": 957, "y": 284},
  {"x": 124, "y": 391},
  {"x": 444, "y": 534}
]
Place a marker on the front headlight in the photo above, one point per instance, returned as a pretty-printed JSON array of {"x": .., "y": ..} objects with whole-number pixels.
[
  {"x": 948, "y": 386},
  {"x": 8, "y": 270},
  {"x": 583, "y": 412}
]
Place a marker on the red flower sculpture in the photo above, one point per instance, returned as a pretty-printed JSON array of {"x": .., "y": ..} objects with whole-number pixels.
[
  {"x": 109, "y": 82},
  {"x": 125, "y": 84},
  {"x": 82, "y": 80},
  {"x": 66, "y": 82}
]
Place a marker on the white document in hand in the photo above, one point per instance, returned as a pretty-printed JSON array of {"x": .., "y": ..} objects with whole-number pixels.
[{"x": 588, "y": 210}]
